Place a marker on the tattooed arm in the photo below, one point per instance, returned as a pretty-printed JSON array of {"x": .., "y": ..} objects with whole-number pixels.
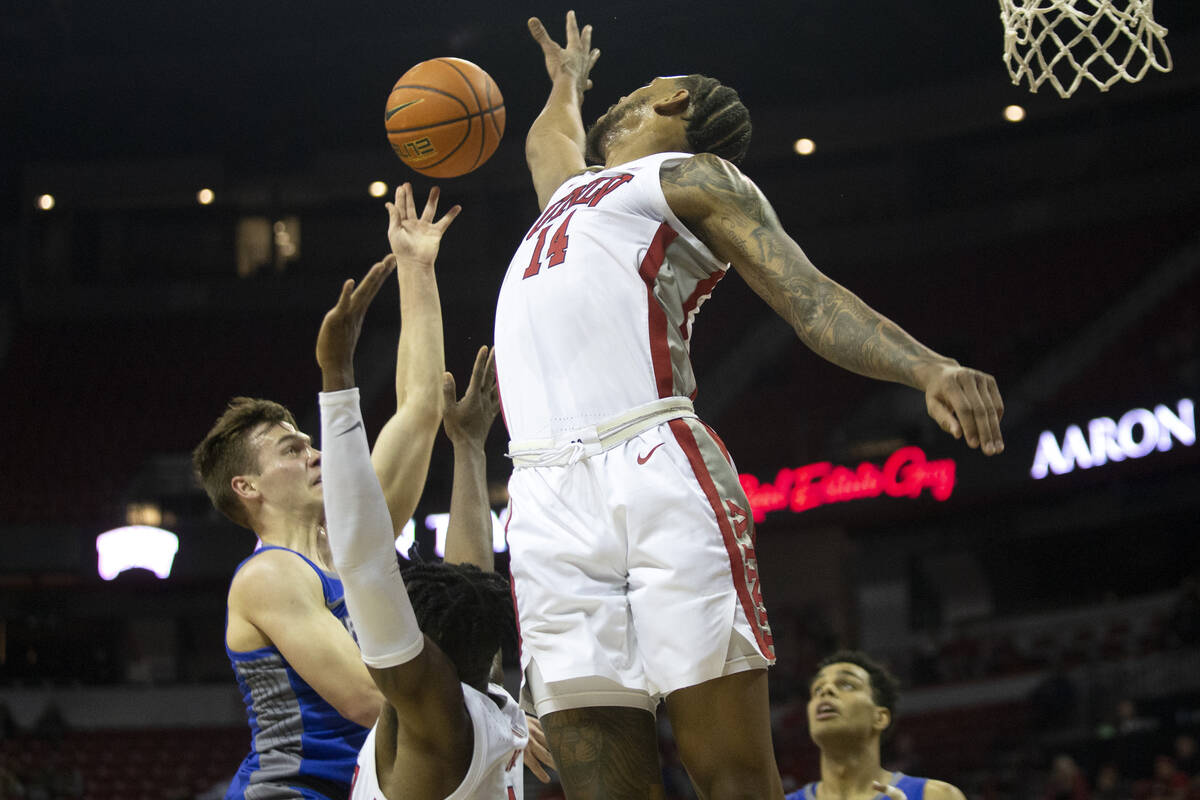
[{"x": 728, "y": 212}]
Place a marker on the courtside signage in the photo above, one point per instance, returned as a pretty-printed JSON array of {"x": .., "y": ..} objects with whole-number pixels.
[
  {"x": 1138, "y": 433},
  {"x": 906, "y": 473}
]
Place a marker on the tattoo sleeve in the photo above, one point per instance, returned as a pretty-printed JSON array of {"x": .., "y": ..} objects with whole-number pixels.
[{"x": 730, "y": 215}]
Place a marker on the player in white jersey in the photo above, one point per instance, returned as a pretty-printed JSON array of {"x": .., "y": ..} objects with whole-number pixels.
[
  {"x": 632, "y": 545},
  {"x": 429, "y": 638}
]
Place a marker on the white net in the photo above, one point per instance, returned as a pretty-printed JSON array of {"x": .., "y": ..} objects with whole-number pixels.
[{"x": 1065, "y": 41}]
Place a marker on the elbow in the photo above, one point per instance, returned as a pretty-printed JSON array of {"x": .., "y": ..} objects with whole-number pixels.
[
  {"x": 532, "y": 150},
  {"x": 427, "y": 411},
  {"x": 363, "y": 709},
  {"x": 424, "y": 407}
]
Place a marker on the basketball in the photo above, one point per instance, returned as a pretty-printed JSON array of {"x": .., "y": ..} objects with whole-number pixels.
[{"x": 444, "y": 117}]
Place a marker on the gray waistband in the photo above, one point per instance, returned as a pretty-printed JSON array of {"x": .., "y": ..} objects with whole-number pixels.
[{"x": 583, "y": 442}]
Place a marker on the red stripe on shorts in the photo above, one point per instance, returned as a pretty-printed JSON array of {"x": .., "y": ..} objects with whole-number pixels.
[
  {"x": 660, "y": 348},
  {"x": 737, "y": 563}
]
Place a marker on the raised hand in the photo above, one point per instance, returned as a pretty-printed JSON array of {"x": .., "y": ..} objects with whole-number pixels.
[
  {"x": 470, "y": 419},
  {"x": 966, "y": 404},
  {"x": 415, "y": 238},
  {"x": 575, "y": 61},
  {"x": 342, "y": 325}
]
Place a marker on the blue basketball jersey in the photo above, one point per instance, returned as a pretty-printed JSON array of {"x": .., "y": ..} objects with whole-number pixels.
[
  {"x": 913, "y": 788},
  {"x": 300, "y": 746}
]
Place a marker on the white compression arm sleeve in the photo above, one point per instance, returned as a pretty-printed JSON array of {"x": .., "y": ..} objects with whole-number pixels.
[{"x": 360, "y": 536}]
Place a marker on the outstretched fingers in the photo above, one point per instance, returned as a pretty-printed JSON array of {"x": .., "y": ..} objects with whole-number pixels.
[
  {"x": 431, "y": 204},
  {"x": 343, "y": 301},
  {"x": 482, "y": 359},
  {"x": 491, "y": 389},
  {"x": 450, "y": 215},
  {"x": 449, "y": 391},
  {"x": 538, "y": 31},
  {"x": 572, "y": 30},
  {"x": 405, "y": 194}
]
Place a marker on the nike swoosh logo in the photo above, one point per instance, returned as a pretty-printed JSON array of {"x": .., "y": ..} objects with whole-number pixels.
[
  {"x": 645, "y": 458},
  {"x": 350, "y": 429},
  {"x": 391, "y": 112}
]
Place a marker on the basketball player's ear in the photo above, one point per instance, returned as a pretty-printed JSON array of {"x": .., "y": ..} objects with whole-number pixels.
[
  {"x": 243, "y": 486},
  {"x": 674, "y": 105},
  {"x": 883, "y": 718}
]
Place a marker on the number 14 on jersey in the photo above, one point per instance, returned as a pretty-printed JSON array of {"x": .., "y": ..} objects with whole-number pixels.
[{"x": 555, "y": 254}]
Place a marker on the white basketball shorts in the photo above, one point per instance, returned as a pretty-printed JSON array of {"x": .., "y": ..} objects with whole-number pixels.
[{"x": 633, "y": 568}]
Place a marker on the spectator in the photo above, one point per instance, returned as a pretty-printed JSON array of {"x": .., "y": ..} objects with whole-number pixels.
[
  {"x": 1066, "y": 781},
  {"x": 1130, "y": 721},
  {"x": 1168, "y": 782},
  {"x": 1186, "y": 757},
  {"x": 1110, "y": 785}
]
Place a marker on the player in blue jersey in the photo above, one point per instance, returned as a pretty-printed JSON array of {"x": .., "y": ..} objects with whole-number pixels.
[
  {"x": 310, "y": 700},
  {"x": 850, "y": 706}
]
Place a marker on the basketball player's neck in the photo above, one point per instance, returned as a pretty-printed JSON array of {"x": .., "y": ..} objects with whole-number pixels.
[
  {"x": 847, "y": 770},
  {"x": 645, "y": 143},
  {"x": 303, "y": 533}
]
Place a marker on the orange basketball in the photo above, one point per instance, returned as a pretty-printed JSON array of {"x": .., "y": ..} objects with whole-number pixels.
[{"x": 444, "y": 117}]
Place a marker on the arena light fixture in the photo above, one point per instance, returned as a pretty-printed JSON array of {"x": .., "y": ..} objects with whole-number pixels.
[{"x": 136, "y": 546}]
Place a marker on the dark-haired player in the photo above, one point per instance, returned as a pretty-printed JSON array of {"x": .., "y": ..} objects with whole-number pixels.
[
  {"x": 632, "y": 542},
  {"x": 428, "y": 638},
  {"x": 851, "y": 705}
]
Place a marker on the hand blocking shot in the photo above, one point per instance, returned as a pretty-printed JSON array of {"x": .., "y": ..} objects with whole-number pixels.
[{"x": 429, "y": 637}]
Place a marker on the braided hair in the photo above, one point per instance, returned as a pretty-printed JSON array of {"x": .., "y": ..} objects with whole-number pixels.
[
  {"x": 467, "y": 612},
  {"x": 717, "y": 122}
]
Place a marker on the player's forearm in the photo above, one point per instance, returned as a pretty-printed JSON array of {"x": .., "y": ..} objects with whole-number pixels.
[
  {"x": 560, "y": 120},
  {"x": 837, "y": 325},
  {"x": 359, "y": 529},
  {"x": 469, "y": 533},
  {"x": 730, "y": 214},
  {"x": 420, "y": 352}
]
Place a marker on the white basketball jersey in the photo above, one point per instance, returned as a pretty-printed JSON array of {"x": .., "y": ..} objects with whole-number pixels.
[
  {"x": 596, "y": 310},
  {"x": 497, "y": 761}
]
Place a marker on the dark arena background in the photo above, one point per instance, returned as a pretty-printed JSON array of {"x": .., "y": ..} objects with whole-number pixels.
[{"x": 184, "y": 187}]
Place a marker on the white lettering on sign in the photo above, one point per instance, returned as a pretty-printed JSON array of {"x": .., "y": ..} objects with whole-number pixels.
[
  {"x": 1137, "y": 433},
  {"x": 439, "y": 523},
  {"x": 136, "y": 546}
]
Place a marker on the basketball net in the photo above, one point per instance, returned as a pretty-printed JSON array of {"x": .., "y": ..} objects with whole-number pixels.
[{"x": 1065, "y": 41}]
